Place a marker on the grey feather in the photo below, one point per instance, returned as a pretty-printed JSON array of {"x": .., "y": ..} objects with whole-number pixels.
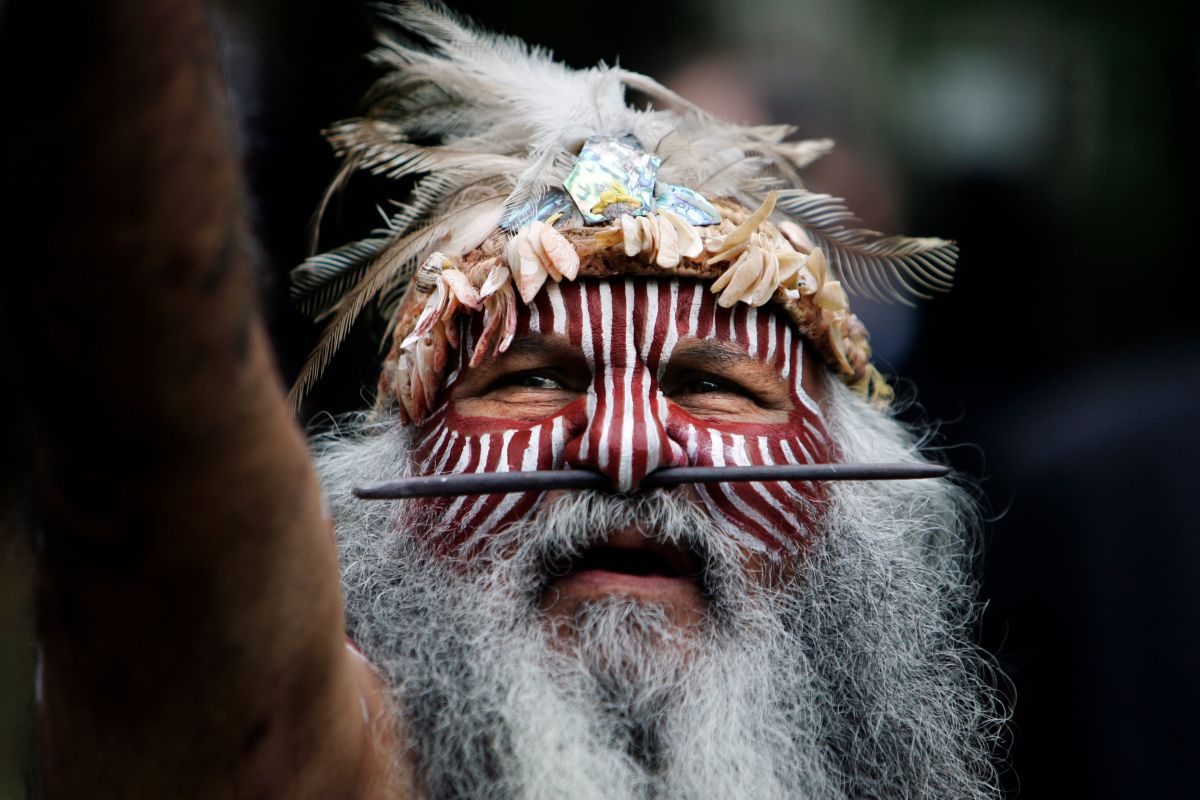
[
  {"x": 888, "y": 268},
  {"x": 321, "y": 280},
  {"x": 395, "y": 264}
]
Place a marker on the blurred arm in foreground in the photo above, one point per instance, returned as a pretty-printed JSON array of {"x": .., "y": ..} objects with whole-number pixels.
[{"x": 188, "y": 604}]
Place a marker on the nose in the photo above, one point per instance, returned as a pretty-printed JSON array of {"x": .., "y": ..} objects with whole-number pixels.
[{"x": 626, "y": 434}]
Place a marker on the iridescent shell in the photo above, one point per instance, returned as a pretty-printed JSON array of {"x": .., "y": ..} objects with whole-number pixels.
[
  {"x": 612, "y": 177},
  {"x": 687, "y": 203},
  {"x": 551, "y": 203}
]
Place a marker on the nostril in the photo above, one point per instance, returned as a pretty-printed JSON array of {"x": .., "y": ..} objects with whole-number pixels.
[
  {"x": 591, "y": 452},
  {"x": 625, "y": 464},
  {"x": 679, "y": 456}
]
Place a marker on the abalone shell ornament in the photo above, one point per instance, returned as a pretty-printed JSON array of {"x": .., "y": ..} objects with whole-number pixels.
[
  {"x": 687, "y": 203},
  {"x": 611, "y": 177},
  {"x": 549, "y": 204}
]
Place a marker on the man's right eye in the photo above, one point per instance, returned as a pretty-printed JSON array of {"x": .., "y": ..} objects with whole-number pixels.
[{"x": 533, "y": 379}]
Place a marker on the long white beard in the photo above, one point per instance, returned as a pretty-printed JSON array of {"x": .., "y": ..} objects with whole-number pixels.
[{"x": 855, "y": 678}]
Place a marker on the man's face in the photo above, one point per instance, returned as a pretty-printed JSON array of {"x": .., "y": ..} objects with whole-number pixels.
[
  {"x": 623, "y": 377},
  {"x": 627, "y": 644}
]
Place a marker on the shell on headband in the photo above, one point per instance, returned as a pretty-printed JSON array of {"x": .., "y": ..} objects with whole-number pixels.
[{"x": 744, "y": 256}]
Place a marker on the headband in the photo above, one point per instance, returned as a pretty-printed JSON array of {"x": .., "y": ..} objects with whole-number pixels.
[{"x": 539, "y": 173}]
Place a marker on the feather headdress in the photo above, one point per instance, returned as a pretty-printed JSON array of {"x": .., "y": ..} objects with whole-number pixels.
[{"x": 525, "y": 169}]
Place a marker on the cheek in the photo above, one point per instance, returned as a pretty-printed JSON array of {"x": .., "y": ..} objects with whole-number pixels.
[
  {"x": 451, "y": 444},
  {"x": 774, "y": 518}
]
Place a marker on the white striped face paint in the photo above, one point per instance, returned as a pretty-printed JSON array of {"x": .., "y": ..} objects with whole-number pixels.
[{"x": 618, "y": 420}]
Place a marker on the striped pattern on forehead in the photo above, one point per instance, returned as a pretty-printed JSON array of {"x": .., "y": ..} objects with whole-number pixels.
[{"x": 625, "y": 427}]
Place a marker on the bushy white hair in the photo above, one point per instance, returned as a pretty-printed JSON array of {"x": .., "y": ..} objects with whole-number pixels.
[{"x": 856, "y": 677}]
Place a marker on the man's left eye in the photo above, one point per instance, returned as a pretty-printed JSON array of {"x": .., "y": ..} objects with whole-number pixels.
[
  {"x": 704, "y": 386},
  {"x": 710, "y": 385},
  {"x": 540, "y": 382}
]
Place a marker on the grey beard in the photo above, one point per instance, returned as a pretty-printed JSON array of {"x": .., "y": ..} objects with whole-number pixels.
[{"x": 856, "y": 677}]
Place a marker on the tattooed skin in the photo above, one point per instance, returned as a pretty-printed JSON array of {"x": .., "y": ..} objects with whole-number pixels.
[{"x": 639, "y": 342}]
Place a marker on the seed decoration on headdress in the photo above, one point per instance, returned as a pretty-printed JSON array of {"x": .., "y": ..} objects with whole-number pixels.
[{"x": 614, "y": 195}]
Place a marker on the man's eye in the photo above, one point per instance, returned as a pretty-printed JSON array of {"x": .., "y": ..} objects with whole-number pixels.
[
  {"x": 701, "y": 384},
  {"x": 540, "y": 382},
  {"x": 530, "y": 380},
  {"x": 704, "y": 386}
]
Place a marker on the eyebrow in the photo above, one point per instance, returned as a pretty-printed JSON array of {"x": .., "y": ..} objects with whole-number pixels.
[
  {"x": 537, "y": 344},
  {"x": 728, "y": 359},
  {"x": 717, "y": 351},
  {"x": 531, "y": 350},
  {"x": 528, "y": 349}
]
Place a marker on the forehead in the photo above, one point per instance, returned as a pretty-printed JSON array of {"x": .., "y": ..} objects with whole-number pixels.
[{"x": 648, "y": 319}]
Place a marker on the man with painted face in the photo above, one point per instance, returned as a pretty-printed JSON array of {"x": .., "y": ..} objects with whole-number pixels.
[{"x": 573, "y": 286}]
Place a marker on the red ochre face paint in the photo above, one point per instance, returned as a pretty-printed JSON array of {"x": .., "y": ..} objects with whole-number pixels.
[{"x": 624, "y": 426}]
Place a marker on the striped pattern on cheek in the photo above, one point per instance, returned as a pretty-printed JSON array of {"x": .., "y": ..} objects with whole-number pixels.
[
  {"x": 770, "y": 517},
  {"x": 451, "y": 444},
  {"x": 462, "y": 524},
  {"x": 625, "y": 427}
]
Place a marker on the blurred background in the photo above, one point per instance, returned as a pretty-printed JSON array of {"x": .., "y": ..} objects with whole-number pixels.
[{"x": 1055, "y": 141}]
